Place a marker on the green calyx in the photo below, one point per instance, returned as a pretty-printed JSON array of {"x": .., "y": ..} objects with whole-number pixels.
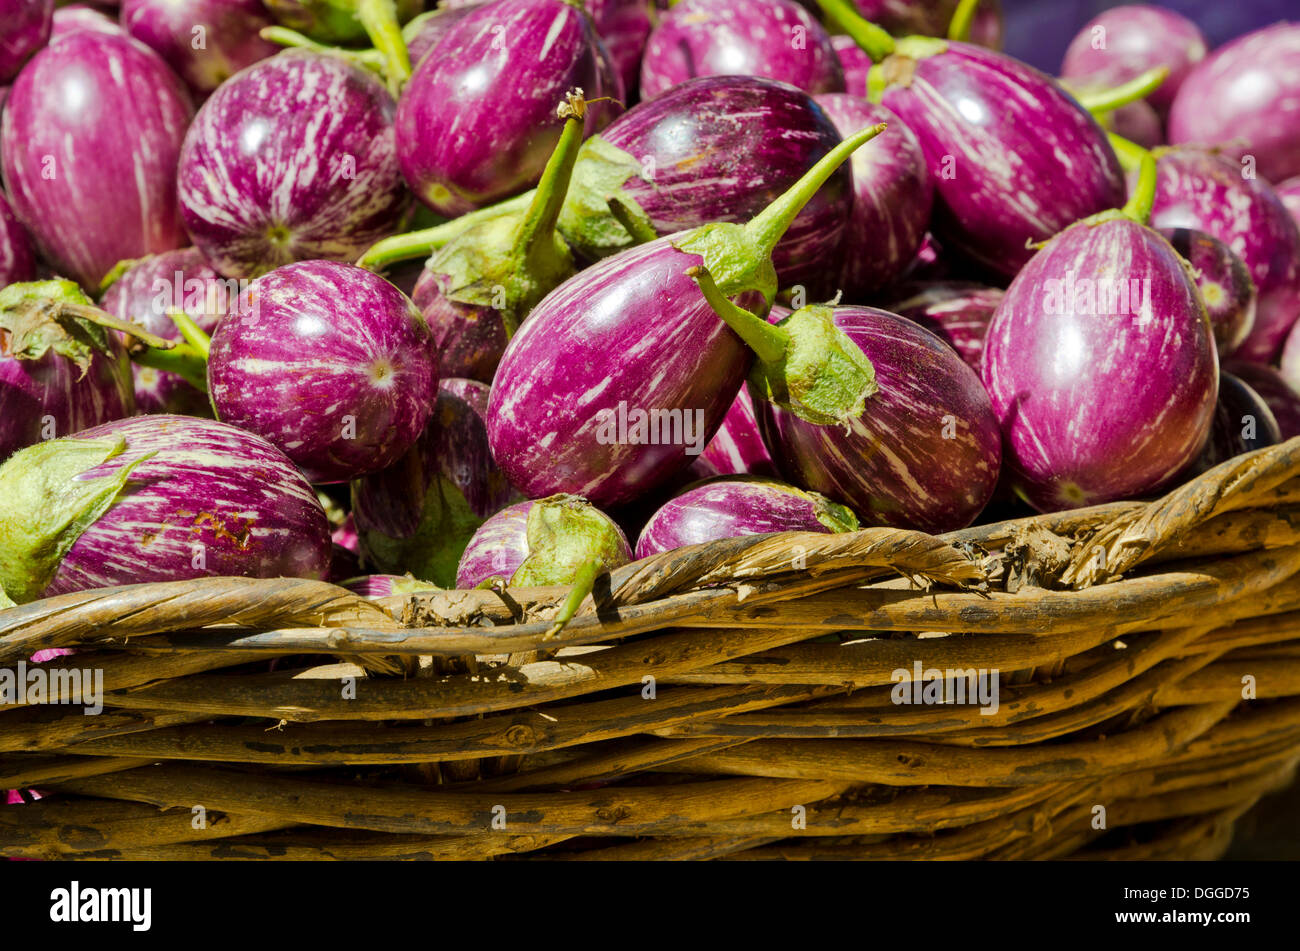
[
  {"x": 593, "y": 216},
  {"x": 837, "y": 518},
  {"x": 898, "y": 69},
  {"x": 422, "y": 243},
  {"x": 46, "y": 504},
  {"x": 566, "y": 533}
]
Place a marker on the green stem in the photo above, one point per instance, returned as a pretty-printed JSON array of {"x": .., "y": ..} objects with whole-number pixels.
[
  {"x": 873, "y": 40},
  {"x": 768, "y": 341},
  {"x": 283, "y": 36},
  {"x": 537, "y": 226},
  {"x": 1139, "y": 87},
  {"x": 185, "y": 361},
  {"x": 379, "y": 17},
  {"x": 766, "y": 228},
  {"x": 962, "y": 19},
  {"x": 1143, "y": 196},
  {"x": 633, "y": 224},
  {"x": 104, "y": 319},
  {"x": 1129, "y": 153},
  {"x": 583, "y": 581},
  {"x": 194, "y": 335},
  {"x": 420, "y": 244}
]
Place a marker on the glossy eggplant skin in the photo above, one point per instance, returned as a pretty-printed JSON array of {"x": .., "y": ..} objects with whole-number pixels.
[
  {"x": 465, "y": 136},
  {"x": 1101, "y": 365},
  {"x": 1001, "y": 139},
  {"x": 17, "y": 259},
  {"x": 737, "y": 448},
  {"x": 292, "y": 159},
  {"x": 229, "y": 36},
  {"x": 926, "y": 452},
  {"x": 90, "y": 138},
  {"x": 24, "y": 29},
  {"x": 1198, "y": 189},
  {"x": 1243, "y": 422},
  {"x": 1224, "y": 282},
  {"x": 1245, "y": 98},
  {"x": 776, "y": 39},
  {"x": 957, "y": 311},
  {"x": 1282, "y": 398}
]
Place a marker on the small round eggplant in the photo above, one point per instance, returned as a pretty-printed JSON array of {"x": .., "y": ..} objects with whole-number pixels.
[
  {"x": 24, "y": 29},
  {"x": 776, "y": 39},
  {"x": 958, "y": 312},
  {"x": 732, "y": 506},
  {"x": 372, "y": 587},
  {"x": 154, "y": 498},
  {"x": 737, "y": 448},
  {"x": 624, "y": 26},
  {"x": 1282, "y": 398},
  {"x": 79, "y": 16},
  {"x": 330, "y": 363},
  {"x": 1224, "y": 283},
  {"x": 204, "y": 41},
  {"x": 854, "y": 62}
]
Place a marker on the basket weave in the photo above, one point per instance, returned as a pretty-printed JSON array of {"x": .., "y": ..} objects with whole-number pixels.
[{"x": 729, "y": 700}]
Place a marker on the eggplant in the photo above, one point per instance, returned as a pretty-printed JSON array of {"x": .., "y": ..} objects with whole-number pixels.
[
  {"x": 145, "y": 293},
  {"x": 372, "y": 587},
  {"x": 90, "y": 137},
  {"x": 1224, "y": 283},
  {"x": 77, "y": 17},
  {"x": 892, "y": 196},
  {"x": 347, "y": 21},
  {"x": 1289, "y": 192},
  {"x": 1101, "y": 364},
  {"x": 624, "y": 26},
  {"x": 855, "y": 64},
  {"x": 420, "y": 513},
  {"x": 732, "y": 506},
  {"x": 925, "y": 452},
  {"x": 60, "y": 370},
  {"x": 292, "y": 159},
  {"x": 330, "y": 363},
  {"x": 958, "y": 312},
  {"x": 17, "y": 260},
  {"x": 465, "y": 137},
  {"x": 1137, "y": 122},
  {"x": 154, "y": 498},
  {"x": 737, "y": 448},
  {"x": 204, "y": 41},
  {"x": 1290, "y": 362},
  {"x": 24, "y": 29},
  {"x": 427, "y": 30},
  {"x": 1122, "y": 43},
  {"x": 1282, "y": 398},
  {"x": 1243, "y": 422},
  {"x": 623, "y": 373},
  {"x": 1245, "y": 99},
  {"x": 776, "y": 39},
  {"x": 1201, "y": 190}
]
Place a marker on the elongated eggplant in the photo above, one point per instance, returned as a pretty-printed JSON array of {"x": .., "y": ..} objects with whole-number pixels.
[{"x": 204, "y": 41}]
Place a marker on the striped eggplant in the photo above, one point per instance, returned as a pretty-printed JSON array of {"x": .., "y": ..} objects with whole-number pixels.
[
  {"x": 732, "y": 506},
  {"x": 892, "y": 195},
  {"x": 776, "y": 39},
  {"x": 548, "y": 541},
  {"x": 81, "y": 17},
  {"x": 623, "y": 373},
  {"x": 90, "y": 138},
  {"x": 854, "y": 62},
  {"x": 145, "y": 293},
  {"x": 465, "y": 137},
  {"x": 204, "y": 41},
  {"x": 737, "y": 448},
  {"x": 59, "y": 371},
  {"x": 1243, "y": 422},
  {"x": 958, "y": 312},
  {"x": 427, "y": 30},
  {"x": 924, "y": 454},
  {"x": 24, "y": 29},
  {"x": 1201, "y": 190},
  {"x": 1101, "y": 365},
  {"x": 17, "y": 260},
  {"x": 1123, "y": 42},
  {"x": 1282, "y": 398},
  {"x": 623, "y": 26},
  {"x": 1224, "y": 283},
  {"x": 1137, "y": 122},
  {"x": 154, "y": 498},
  {"x": 372, "y": 587},
  {"x": 330, "y": 363},
  {"x": 1245, "y": 99},
  {"x": 420, "y": 513},
  {"x": 718, "y": 148},
  {"x": 1290, "y": 361},
  {"x": 292, "y": 159},
  {"x": 1289, "y": 192}
]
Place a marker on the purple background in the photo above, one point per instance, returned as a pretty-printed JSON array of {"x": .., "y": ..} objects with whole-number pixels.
[{"x": 1038, "y": 31}]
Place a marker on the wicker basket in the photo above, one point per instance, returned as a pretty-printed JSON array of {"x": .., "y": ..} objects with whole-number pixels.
[{"x": 731, "y": 700}]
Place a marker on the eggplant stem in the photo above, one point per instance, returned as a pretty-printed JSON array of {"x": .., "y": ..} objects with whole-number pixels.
[
  {"x": 536, "y": 230},
  {"x": 767, "y": 227},
  {"x": 583, "y": 582},
  {"x": 193, "y": 334},
  {"x": 632, "y": 224},
  {"x": 420, "y": 244},
  {"x": 1143, "y": 197},
  {"x": 962, "y": 19},
  {"x": 283, "y": 36},
  {"x": 379, "y": 18},
  {"x": 183, "y": 360},
  {"x": 871, "y": 39},
  {"x": 1139, "y": 87},
  {"x": 768, "y": 341}
]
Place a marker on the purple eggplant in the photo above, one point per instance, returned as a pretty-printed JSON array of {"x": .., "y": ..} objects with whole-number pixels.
[
  {"x": 1137, "y": 122},
  {"x": 427, "y": 30},
  {"x": 1124, "y": 42},
  {"x": 1282, "y": 398},
  {"x": 1290, "y": 362},
  {"x": 1201, "y": 190},
  {"x": 733, "y": 506},
  {"x": 854, "y": 62},
  {"x": 624, "y": 26},
  {"x": 420, "y": 513},
  {"x": 776, "y": 39},
  {"x": 1289, "y": 192},
  {"x": 958, "y": 312},
  {"x": 146, "y": 292},
  {"x": 330, "y": 363},
  {"x": 204, "y": 41},
  {"x": 293, "y": 159},
  {"x": 372, "y": 587},
  {"x": 1243, "y": 422},
  {"x": 718, "y": 148},
  {"x": 155, "y": 498},
  {"x": 543, "y": 542},
  {"x": 623, "y": 373},
  {"x": 24, "y": 29},
  {"x": 17, "y": 260},
  {"x": 1245, "y": 99},
  {"x": 91, "y": 134},
  {"x": 892, "y": 196},
  {"x": 465, "y": 137},
  {"x": 60, "y": 372},
  {"x": 737, "y": 448},
  {"x": 925, "y": 452},
  {"x": 1101, "y": 365},
  {"x": 79, "y": 16},
  {"x": 1224, "y": 283}
]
